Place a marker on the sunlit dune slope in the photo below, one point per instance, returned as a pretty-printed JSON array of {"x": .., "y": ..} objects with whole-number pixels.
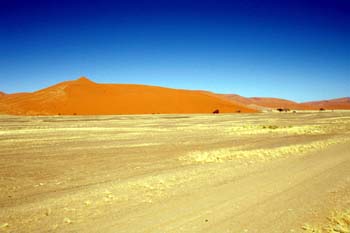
[
  {"x": 341, "y": 103},
  {"x": 84, "y": 97}
]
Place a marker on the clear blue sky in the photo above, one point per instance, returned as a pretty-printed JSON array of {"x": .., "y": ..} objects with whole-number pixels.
[{"x": 292, "y": 49}]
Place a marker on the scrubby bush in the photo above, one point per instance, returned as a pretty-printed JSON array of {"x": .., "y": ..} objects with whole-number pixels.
[
  {"x": 283, "y": 109},
  {"x": 270, "y": 127}
]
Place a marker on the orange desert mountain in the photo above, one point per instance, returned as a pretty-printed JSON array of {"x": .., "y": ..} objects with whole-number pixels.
[{"x": 84, "y": 97}]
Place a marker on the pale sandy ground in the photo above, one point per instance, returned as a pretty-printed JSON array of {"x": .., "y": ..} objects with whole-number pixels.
[{"x": 269, "y": 172}]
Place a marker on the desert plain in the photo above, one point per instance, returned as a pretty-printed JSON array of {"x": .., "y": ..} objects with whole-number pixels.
[{"x": 261, "y": 172}]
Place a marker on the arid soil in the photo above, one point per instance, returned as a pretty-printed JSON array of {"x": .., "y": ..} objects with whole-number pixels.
[{"x": 265, "y": 172}]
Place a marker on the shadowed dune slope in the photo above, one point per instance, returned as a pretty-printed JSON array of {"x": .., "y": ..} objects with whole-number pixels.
[
  {"x": 84, "y": 97},
  {"x": 341, "y": 103}
]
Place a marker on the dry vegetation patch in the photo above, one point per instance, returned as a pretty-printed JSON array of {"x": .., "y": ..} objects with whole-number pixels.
[
  {"x": 338, "y": 222},
  {"x": 263, "y": 154},
  {"x": 275, "y": 129}
]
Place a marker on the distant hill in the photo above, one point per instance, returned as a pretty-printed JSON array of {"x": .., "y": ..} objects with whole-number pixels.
[
  {"x": 263, "y": 103},
  {"x": 267, "y": 103},
  {"x": 84, "y": 97},
  {"x": 341, "y": 103}
]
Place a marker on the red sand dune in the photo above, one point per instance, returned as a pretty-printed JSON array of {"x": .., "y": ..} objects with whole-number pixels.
[
  {"x": 84, "y": 97},
  {"x": 269, "y": 103},
  {"x": 274, "y": 103},
  {"x": 2, "y": 94},
  {"x": 341, "y": 103},
  {"x": 237, "y": 98}
]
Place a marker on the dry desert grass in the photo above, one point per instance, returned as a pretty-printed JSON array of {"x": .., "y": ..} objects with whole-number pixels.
[
  {"x": 338, "y": 222},
  {"x": 173, "y": 173}
]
